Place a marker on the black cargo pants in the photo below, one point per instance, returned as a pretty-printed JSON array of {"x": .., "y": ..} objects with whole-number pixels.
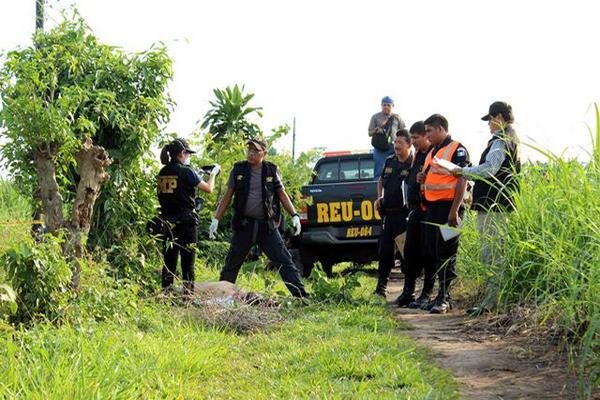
[
  {"x": 442, "y": 252},
  {"x": 257, "y": 232},
  {"x": 179, "y": 239},
  {"x": 394, "y": 223},
  {"x": 416, "y": 258}
]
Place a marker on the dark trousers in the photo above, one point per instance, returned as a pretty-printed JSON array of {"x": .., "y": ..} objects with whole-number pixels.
[
  {"x": 178, "y": 240},
  {"x": 270, "y": 242},
  {"x": 393, "y": 225},
  {"x": 416, "y": 258},
  {"x": 442, "y": 252}
]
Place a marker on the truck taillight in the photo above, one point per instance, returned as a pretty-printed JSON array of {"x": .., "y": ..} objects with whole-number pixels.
[{"x": 304, "y": 209}]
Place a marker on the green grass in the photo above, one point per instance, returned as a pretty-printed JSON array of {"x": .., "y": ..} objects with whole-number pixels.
[
  {"x": 550, "y": 257},
  {"x": 15, "y": 215},
  {"x": 320, "y": 351}
]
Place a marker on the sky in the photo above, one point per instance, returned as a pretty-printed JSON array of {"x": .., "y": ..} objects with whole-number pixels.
[{"x": 329, "y": 63}]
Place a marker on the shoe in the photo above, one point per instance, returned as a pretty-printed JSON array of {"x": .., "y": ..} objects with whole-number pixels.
[
  {"x": 476, "y": 311},
  {"x": 404, "y": 300},
  {"x": 440, "y": 306},
  {"x": 420, "y": 302},
  {"x": 380, "y": 291}
]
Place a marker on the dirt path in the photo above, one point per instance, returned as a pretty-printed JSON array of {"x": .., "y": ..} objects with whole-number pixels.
[{"x": 488, "y": 366}]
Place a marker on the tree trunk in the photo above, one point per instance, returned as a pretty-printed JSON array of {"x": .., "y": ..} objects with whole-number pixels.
[
  {"x": 92, "y": 161},
  {"x": 52, "y": 201}
]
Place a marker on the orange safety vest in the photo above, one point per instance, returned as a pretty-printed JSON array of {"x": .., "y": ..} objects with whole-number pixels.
[{"x": 439, "y": 183}]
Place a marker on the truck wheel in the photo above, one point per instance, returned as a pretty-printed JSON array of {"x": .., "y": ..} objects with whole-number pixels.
[
  {"x": 307, "y": 268},
  {"x": 327, "y": 268}
]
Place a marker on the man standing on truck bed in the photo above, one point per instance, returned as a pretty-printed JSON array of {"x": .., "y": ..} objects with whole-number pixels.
[
  {"x": 257, "y": 190},
  {"x": 382, "y": 131},
  {"x": 391, "y": 204},
  {"x": 443, "y": 193},
  {"x": 416, "y": 259}
]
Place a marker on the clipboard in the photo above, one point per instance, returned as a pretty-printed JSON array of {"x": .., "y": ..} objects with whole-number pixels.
[{"x": 450, "y": 232}]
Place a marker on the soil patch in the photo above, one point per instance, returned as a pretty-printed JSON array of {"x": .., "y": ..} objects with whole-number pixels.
[{"x": 488, "y": 365}]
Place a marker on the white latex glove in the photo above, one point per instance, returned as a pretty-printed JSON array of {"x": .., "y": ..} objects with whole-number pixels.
[
  {"x": 212, "y": 229},
  {"x": 296, "y": 224},
  {"x": 216, "y": 169}
]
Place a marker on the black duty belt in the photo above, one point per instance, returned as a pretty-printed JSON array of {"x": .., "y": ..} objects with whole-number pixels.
[{"x": 394, "y": 210}]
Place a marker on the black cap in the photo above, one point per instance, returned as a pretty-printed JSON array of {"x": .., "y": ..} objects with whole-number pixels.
[
  {"x": 178, "y": 145},
  {"x": 258, "y": 143},
  {"x": 497, "y": 107}
]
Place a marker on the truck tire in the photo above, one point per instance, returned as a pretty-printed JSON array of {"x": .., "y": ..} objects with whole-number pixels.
[
  {"x": 327, "y": 267},
  {"x": 307, "y": 268}
]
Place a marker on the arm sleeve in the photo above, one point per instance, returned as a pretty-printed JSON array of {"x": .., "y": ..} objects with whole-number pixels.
[
  {"x": 492, "y": 163},
  {"x": 192, "y": 177},
  {"x": 372, "y": 123},
  {"x": 278, "y": 184},
  {"x": 230, "y": 185},
  {"x": 461, "y": 157}
]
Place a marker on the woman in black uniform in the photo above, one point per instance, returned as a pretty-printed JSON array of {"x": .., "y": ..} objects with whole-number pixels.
[{"x": 177, "y": 183}]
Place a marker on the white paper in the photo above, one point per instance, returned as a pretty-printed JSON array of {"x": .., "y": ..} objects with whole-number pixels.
[
  {"x": 449, "y": 232},
  {"x": 450, "y": 166}
]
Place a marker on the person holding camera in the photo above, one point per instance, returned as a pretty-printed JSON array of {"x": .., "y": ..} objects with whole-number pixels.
[
  {"x": 382, "y": 131},
  {"x": 177, "y": 183}
]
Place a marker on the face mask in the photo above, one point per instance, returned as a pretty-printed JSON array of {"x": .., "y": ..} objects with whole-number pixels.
[{"x": 187, "y": 160}]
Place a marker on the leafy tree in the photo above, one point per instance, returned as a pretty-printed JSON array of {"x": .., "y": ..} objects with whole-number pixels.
[
  {"x": 76, "y": 112},
  {"x": 229, "y": 115}
]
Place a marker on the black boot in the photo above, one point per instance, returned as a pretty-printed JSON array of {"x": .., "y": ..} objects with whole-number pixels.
[
  {"x": 380, "y": 290},
  {"x": 381, "y": 285},
  {"x": 441, "y": 304},
  {"x": 404, "y": 299},
  {"x": 407, "y": 295},
  {"x": 420, "y": 302}
]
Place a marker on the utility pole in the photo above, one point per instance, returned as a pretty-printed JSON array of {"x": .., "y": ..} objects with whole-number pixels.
[
  {"x": 294, "y": 140},
  {"x": 39, "y": 15}
]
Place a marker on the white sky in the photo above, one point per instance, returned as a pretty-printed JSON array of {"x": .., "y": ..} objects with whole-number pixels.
[{"x": 328, "y": 63}]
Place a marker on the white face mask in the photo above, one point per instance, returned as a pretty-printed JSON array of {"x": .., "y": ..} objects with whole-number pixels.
[{"x": 187, "y": 160}]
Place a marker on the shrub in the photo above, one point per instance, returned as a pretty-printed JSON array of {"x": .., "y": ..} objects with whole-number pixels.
[{"x": 40, "y": 276}]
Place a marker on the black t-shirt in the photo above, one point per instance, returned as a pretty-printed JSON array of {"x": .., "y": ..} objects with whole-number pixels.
[
  {"x": 176, "y": 188},
  {"x": 414, "y": 188},
  {"x": 393, "y": 174}
]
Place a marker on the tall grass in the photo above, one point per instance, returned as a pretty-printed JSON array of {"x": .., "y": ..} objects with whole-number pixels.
[{"x": 549, "y": 252}]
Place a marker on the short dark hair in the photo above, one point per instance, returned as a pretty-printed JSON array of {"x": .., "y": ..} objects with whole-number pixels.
[
  {"x": 437, "y": 120},
  {"x": 418, "y": 128},
  {"x": 403, "y": 133}
]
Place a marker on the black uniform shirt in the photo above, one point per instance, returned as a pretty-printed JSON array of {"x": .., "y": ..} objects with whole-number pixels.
[
  {"x": 177, "y": 189},
  {"x": 394, "y": 173},
  {"x": 460, "y": 156},
  {"x": 414, "y": 188}
]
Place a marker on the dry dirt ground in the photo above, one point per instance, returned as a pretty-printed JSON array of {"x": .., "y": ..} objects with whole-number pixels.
[{"x": 488, "y": 365}]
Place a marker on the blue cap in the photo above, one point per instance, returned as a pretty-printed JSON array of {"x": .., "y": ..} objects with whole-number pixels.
[{"x": 387, "y": 100}]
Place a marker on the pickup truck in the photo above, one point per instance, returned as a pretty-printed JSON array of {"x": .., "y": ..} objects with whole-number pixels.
[{"x": 339, "y": 221}]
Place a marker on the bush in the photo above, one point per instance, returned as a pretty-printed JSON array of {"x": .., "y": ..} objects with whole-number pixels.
[
  {"x": 8, "y": 302},
  {"x": 333, "y": 290},
  {"x": 102, "y": 297},
  {"x": 40, "y": 276},
  {"x": 213, "y": 253},
  {"x": 549, "y": 252}
]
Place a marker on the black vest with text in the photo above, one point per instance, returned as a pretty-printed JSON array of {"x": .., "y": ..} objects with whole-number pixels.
[
  {"x": 176, "y": 193},
  {"x": 270, "y": 199},
  {"x": 497, "y": 193}
]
